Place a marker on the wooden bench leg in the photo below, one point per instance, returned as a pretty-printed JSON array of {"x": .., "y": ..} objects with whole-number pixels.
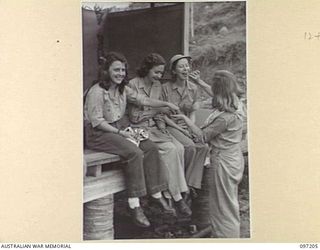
[
  {"x": 84, "y": 168},
  {"x": 94, "y": 170},
  {"x": 98, "y": 219}
]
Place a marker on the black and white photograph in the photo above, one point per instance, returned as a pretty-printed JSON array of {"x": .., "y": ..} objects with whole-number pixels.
[{"x": 165, "y": 120}]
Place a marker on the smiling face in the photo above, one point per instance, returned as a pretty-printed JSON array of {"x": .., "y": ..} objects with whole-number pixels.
[
  {"x": 155, "y": 73},
  {"x": 182, "y": 69},
  {"x": 117, "y": 72}
]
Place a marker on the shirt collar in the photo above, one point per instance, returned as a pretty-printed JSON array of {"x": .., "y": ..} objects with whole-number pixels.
[
  {"x": 142, "y": 85},
  {"x": 176, "y": 86}
]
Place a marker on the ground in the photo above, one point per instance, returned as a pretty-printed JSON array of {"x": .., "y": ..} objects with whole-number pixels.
[{"x": 164, "y": 226}]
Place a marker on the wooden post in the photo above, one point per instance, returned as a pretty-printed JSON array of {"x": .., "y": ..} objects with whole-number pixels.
[
  {"x": 98, "y": 219},
  {"x": 186, "y": 28},
  {"x": 191, "y": 21}
]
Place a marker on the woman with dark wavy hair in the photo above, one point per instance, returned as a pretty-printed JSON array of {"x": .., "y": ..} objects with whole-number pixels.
[
  {"x": 147, "y": 84},
  {"x": 105, "y": 105},
  {"x": 223, "y": 132}
]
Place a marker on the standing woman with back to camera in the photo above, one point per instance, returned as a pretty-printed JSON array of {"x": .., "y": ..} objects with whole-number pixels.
[
  {"x": 223, "y": 132},
  {"x": 105, "y": 105}
]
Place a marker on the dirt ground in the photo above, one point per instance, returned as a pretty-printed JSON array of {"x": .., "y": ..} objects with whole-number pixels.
[{"x": 166, "y": 226}]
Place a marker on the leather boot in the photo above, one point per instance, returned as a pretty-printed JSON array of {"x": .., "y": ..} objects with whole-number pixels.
[
  {"x": 162, "y": 203},
  {"x": 183, "y": 208},
  {"x": 138, "y": 217}
]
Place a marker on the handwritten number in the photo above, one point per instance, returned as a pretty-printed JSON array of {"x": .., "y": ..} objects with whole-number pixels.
[{"x": 311, "y": 36}]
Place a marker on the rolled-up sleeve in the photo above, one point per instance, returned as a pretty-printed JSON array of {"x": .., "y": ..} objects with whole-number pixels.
[
  {"x": 134, "y": 97},
  {"x": 219, "y": 125},
  {"x": 95, "y": 108},
  {"x": 137, "y": 116}
]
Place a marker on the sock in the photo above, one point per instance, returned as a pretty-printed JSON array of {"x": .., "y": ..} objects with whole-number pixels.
[
  {"x": 167, "y": 195},
  {"x": 157, "y": 195},
  {"x": 134, "y": 202},
  {"x": 177, "y": 197}
]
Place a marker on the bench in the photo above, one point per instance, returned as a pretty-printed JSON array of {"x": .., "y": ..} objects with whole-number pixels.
[{"x": 98, "y": 183}]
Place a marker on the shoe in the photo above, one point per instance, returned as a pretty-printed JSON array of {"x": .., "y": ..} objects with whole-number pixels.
[
  {"x": 193, "y": 193},
  {"x": 183, "y": 208},
  {"x": 138, "y": 217},
  {"x": 165, "y": 207},
  {"x": 187, "y": 198}
]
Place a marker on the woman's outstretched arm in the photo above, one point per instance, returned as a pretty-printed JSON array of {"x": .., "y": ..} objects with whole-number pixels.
[
  {"x": 195, "y": 129},
  {"x": 134, "y": 97},
  {"x": 207, "y": 134}
]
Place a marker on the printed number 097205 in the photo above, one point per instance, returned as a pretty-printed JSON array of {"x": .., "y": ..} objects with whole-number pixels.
[{"x": 308, "y": 246}]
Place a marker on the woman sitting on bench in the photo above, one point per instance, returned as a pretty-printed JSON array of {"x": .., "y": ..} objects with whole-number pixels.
[{"x": 105, "y": 105}]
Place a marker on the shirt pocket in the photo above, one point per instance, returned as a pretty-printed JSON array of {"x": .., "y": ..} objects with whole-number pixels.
[
  {"x": 108, "y": 109},
  {"x": 107, "y": 106}
]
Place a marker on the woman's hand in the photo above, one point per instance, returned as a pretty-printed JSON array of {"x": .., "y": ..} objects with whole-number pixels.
[
  {"x": 181, "y": 116},
  {"x": 195, "y": 76},
  {"x": 164, "y": 131},
  {"x": 195, "y": 130},
  {"x": 164, "y": 110},
  {"x": 127, "y": 133},
  {"x": 172, "y": 106},
  {"x": 186, "y": 133}
]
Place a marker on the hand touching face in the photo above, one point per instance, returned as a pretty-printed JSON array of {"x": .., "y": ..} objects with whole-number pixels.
[{"x": 195, "y": 75}]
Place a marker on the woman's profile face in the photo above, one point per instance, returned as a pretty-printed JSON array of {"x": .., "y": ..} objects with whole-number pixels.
[
  {"x": 155, "y": 73},
  {"x": 182, "y": 69},
  {"x": 117, "y": 72}
]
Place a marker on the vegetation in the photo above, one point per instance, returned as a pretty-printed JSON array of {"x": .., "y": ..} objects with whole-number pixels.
[{"x": 219, "y": 40}]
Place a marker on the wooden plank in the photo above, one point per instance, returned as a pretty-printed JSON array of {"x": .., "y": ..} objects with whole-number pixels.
[
  {"x": 109, "y": 182},
  {"x": 98, "y": 158}
]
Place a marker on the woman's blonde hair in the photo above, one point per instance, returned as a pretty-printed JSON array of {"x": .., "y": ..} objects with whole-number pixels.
[{"x": 225, "y": 89}]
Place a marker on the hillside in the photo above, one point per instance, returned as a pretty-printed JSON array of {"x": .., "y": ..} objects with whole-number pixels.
[{"x": 219, "y": 40}]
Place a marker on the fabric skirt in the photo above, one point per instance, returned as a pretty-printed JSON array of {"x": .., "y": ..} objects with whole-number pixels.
[{"x": 228, "y": 166}]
